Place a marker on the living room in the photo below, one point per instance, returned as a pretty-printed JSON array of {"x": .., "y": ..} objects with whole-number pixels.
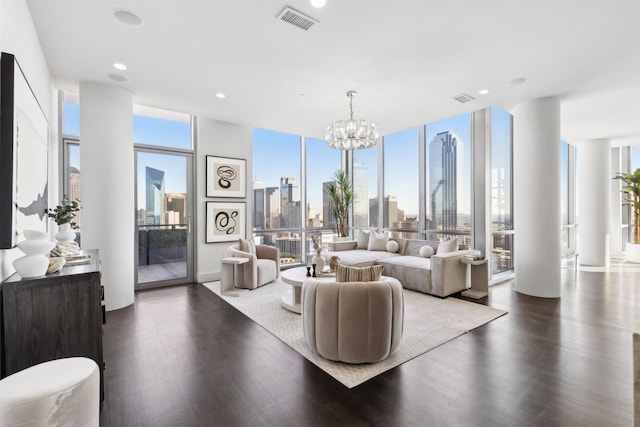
[{"x": 580, "y": 108}]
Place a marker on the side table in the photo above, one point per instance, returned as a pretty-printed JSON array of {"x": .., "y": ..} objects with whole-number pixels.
[
  {"x": 228, "y": 280},
  {"x": 479, "y": 279}
]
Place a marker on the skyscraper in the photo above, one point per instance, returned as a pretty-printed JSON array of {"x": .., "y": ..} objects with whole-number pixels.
[
  {"x": 445, "y": 162},
  {"x": 289, "y": 202},
  {"x": 259, "y": 205},
  {"x": 327, "y": 205},
  {"x": 391, "y": 213},
  {"x": 154, "y": 186},
  {"x": 272, "y": 207},
  {"x": 361, "y": 196},
  {"x": 175, "y": 208}
]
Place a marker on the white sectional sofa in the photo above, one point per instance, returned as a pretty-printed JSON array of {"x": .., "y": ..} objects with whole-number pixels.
[{"x": 440, "y": 274}]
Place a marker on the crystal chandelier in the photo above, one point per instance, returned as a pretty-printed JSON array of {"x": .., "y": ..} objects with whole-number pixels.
[{"x": 350, "y": 134}]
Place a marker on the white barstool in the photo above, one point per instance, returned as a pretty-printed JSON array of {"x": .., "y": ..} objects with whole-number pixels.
[{"x": 62, "y": 392}]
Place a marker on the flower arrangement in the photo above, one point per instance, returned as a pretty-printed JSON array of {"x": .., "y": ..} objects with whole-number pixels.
[{"x": 65, "y": 212}]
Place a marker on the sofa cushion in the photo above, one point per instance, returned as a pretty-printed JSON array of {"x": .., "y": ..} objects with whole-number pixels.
[
  {"x": 378, "y": 242},
  {"x": 412, "y": 246},
  {"x": 363, "y": 239},
  {"x": 392, "y": 246},
  {"x": 426, "y": 251},
  {"x": 345, "y": 273},
  {"x": 447, "y": 246}
]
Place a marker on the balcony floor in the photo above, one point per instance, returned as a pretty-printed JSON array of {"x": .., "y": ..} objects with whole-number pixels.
[{"x": 162, "y": 272}]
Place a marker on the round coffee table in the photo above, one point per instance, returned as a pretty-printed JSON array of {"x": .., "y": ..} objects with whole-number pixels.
[{"x": 296, "y": 277}]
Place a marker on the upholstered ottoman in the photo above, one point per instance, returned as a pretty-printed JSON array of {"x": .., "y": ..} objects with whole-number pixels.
[
  {"x": 353, "y": 322},
  {"x": 62, "y": 392}
]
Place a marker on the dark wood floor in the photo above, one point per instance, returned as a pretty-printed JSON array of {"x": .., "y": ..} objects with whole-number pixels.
[{"x": 183, "y": 357}]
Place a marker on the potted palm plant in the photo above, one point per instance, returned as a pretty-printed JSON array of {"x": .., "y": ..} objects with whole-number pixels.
[
  {"x": 341, "y": 193},
  {"x": 631, "y": 188}
]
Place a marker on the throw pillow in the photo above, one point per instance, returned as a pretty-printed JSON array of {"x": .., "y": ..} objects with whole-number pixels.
[
  {"x": 378, "y": 242},
  {"x": 392, "y": 246},
  {"x": 363, "y": 240},
  {"x": 426, "y": 251},
  {"x": 345, "y": 273},
  {"x": 247, "y": 245},
  {"x": 447, "y": 246}
]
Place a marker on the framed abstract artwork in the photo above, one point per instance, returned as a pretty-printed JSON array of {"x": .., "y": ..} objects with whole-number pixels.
[
  {"x": 225, "y": 221},
  {"x": 23, "y": 155},
  {"x": 226, "y": 177}
]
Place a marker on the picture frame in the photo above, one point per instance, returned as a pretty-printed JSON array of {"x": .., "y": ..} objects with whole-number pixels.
[
  {"x": 24, "y": 139},
  {"x": 226, "y": 177},
  {"x": 226, "y": 221}
]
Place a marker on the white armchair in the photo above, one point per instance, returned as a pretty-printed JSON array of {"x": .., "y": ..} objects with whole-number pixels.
[{"x": 263, "y": 266}]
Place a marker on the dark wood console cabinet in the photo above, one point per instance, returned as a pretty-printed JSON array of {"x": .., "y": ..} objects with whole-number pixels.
[{"x": 51, "y": 317}]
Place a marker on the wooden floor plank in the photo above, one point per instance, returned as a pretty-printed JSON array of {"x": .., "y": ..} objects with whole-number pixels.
[{"x": 181, "y": 356}]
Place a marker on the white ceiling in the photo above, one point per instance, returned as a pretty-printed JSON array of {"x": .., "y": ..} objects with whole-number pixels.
[{"x": 406, "y": 59}]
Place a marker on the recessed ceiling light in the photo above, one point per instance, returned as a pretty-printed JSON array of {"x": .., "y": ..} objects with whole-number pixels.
[
  {"x": 221, "y": 95},
  {"x": 518, "y": 81},
  {"x": 483, "y": 91},
  {"x": 118, "y": 78},
  {"x": 119, "y": 66},
  {"x": 127, "y": 17},
  {"x": 318, "y": 3}
]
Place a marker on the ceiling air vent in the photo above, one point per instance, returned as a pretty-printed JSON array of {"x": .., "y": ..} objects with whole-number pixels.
[
  {"x": 463, "y": 98},
  {"x": 296, "y": 18}
]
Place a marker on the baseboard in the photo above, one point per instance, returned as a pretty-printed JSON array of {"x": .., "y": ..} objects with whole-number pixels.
[{"x": 208, "y": 277}]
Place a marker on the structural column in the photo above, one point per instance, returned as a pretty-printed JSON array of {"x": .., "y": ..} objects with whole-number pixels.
[
  {"x": 107, "y": 193},
  {"x": 536, "y": 170},
  {"x": 594, "y": 201}
]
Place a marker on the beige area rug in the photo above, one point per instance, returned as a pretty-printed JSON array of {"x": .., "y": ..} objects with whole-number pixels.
[{"x": 428, "y": 323}]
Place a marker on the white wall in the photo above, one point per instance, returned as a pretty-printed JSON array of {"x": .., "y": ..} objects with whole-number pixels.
[
  {"x": 18, "y": 36},
  {"x": 216, "y": 138}
]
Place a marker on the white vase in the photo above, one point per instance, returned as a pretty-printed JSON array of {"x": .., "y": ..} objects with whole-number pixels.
[
  {"x": 65, "y": 234},
  {"x": 318, "y": 260},
  {"x": 34, "y": 263}
]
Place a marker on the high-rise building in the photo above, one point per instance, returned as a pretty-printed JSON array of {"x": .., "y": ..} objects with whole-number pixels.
[
  {"x": 289, "y": 202},
  {"x": 327, "y": 206},
  {"x": 373, "y": 211},
  {"x": 391, "y": 214},
  {"x": 259, "y": 205},
  {"x": 272, "y": 207},
  {"x": 361, "y": 196},
  {"x": 154, "y": 186},
  {"x": 74, "y": 190},
  {"x": 445, "y": 162},
  {"x": 175, "y": 208}
]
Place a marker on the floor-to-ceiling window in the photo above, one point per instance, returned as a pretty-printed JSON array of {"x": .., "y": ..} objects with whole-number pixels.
[
  {"x": 277, "y": 219},
  {"x": 502, "y": 236},
  {"x": 400, "y": 204},
  {"x": 71, "y": 153},
  {"x": 448, "y": 179},
  {"x": 322, "y": 163},
  {"x": 366, "y": 206}
]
